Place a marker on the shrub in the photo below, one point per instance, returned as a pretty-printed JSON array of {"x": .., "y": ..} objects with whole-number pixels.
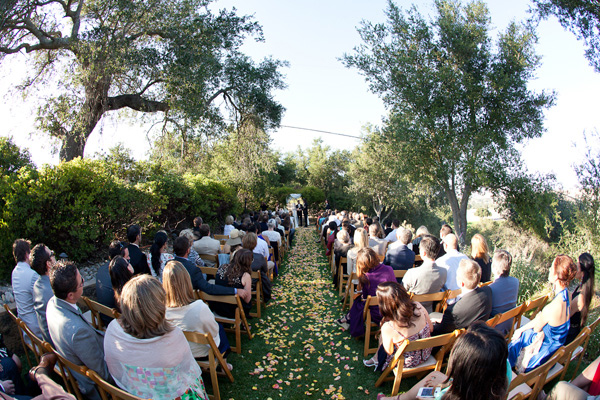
[{"x": 313, "y": 196}]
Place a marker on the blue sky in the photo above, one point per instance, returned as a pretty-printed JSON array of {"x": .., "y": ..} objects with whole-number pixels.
[{"x": 324, "y": 95}]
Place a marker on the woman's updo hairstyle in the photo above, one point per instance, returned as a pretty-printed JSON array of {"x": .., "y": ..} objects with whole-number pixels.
[{"x": 565, "y": 269}]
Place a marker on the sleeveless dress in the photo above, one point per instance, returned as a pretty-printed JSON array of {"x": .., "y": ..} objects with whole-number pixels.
[
  {"x": 575, "y": 327},
  {"x": 554, "y": 338},
  {"x": 412, "y": 358}
]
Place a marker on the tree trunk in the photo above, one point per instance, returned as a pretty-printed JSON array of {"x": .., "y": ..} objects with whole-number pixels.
[
  {"x": 459, "y": 212},
  {"x": 72, "y": 146}
]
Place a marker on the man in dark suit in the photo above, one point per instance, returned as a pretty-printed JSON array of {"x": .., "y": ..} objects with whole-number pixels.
[
  {"x": 475, "y": 303},
  {"x": 398, "y": 255},
  {"x": 138, "y": 260},
  {"x": 181, "y": 248}
]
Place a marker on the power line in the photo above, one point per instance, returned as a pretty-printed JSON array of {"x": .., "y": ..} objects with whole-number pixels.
[{"x": 320, "y": 131}]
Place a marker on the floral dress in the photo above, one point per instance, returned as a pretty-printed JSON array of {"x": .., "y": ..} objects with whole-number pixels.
[{"x": 412, "y": 358}]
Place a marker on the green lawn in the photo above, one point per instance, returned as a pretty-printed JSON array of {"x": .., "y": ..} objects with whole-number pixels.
[{"x": 298, "y": 351}]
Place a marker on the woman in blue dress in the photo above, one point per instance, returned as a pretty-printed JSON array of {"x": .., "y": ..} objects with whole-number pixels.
[{"x": 534, "y": 343}]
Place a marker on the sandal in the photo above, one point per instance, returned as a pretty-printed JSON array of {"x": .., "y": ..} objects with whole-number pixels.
[{"x": 370, "y": 363}]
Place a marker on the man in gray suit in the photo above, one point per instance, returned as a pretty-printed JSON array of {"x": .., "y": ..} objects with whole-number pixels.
[
  {"x": 207, "y": 245},
  {"x": 73, "y": 336},
  {"x": 428, "y": 278}
]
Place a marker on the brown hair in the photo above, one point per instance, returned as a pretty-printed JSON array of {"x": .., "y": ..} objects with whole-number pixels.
[
  {"x": 21, "y": 248},
  {"x": 395, "y": 304},
  {"x": 143, "y": 308},
  {"x": 565, "y": 269},
  {"x": 366, "y": 260},
  {"x": 241, "y": 261},
  {"x": 177, "y": 284},
  {"x": 479, "y": 248},
  {"x": 249, "y": 241},
  {"x": 376, "y": 230}
]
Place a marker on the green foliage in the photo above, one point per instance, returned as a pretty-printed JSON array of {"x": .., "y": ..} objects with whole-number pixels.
[
  {"x": 280, "y": 195},
  {"x": 313, "y": 196},
  {"x": 458, "y": 102},
  {"x": 582, "y": 17},
  {"x": 12, "y": 158},
  {"x": 78, "y": 207},
  {"x": 483, "y": 213}
]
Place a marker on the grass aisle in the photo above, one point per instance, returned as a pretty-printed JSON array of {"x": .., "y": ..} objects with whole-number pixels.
[{"x": 298, "y": 352}]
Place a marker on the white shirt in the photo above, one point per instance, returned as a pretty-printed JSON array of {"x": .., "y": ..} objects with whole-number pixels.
[
  {"x": 273, "y": 236},
  {"x": 261, "y": 248},
  {"x": 227, "y": 229},
  {"x": 391, "y": 237},
  {"x": 23, "y": 279},
  {"x": 450, "y": 262}
]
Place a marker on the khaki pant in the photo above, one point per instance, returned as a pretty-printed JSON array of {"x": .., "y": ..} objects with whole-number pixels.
[{"x": 567, "y": 391}]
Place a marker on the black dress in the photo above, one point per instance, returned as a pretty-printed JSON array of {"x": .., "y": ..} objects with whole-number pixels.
[
  {"x": 228, "y": 310},
  {"x": 575, "y": 326},
  {"x": 486, "y": 269}
]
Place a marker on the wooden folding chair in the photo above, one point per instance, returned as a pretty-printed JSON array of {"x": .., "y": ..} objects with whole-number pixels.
[
  {"x": 350, "y": 292},
  {"x": 215, "y": 358},
  {"x": 96, "y": 309},
  {"x": 450, "y": 294},
  {"x": 433, "y": 363},
  {"x": 371, "y": 327},
  {"x": 237, "y": 321},
  {"x": 211, "y": 272},
  {"x": 211, "y": 258},
  {"x": 27, "y": 347},
  {"x": 257, "y": 294},
  {"x": 514, "y": 314},
  {"x": 580, "y": 351},
  {"x": 399, "y": 273},
  {"x": 418, "y": 258},
  {"x": 536, "y": 378},
  {"x": 561, "y": 366},
  {"x": 67, "y": 368},
  {"x": 222, "y": 238},
  {"x": 532, "y": 307},
  {"x": 438, "y": 297},
  {"x": 108, "y": 391},
  {"x": 341, "y": 275}
]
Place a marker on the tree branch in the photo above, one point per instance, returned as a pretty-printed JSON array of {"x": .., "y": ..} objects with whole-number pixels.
[{"x": 135, "y": 102}]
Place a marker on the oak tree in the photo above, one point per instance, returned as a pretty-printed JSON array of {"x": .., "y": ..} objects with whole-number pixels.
[
  {"x": 176, "y": 57},
  {"x": 458, "y": 102}
]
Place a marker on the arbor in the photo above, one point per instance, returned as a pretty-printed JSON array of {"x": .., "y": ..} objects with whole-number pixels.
[
  {"x": 582, "y": 17},
  {"x": 457, "y": 104},
  {"x": 175, "y": 57}
]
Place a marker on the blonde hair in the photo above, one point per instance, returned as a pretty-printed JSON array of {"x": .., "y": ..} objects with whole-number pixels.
[
  {"x": 143, "y": 308},
  {"x": 177, "y": 284},
  {"x": 361, "y": 239},
  {"x": 479, "y": 248},
  {"x": 343, "y": 236},
  {"x": 469, "y": 272}
]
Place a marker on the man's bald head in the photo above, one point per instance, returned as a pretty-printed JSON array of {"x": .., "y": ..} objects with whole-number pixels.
[{"x": 451, "y": 241}]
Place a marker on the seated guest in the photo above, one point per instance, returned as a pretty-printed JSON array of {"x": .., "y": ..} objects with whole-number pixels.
[
  {"x": 582, "y": 295},
  {"x": 190, "y": 314},
  {"x": 181, "y": 248},
  {"x": 421, "y": 231},
  {"x": 348, "y": 227},
  {"x": 370, "y": 274},
  {"x": 340, "y": 249},
  {"x": 159, "y": 255},
  {"x": 450, "y": 261},
  {"x": 23, "y": 279},
  {"x": 262, "y": 247},
  {"x": 10, "y": 371},
  {"x": 550, "y": 326},
  {"x": 287, "y": 225},
  {"x": 331, "y": 235},
  {"x": 42, "y": 260},
  {"x": 143, "y": 344},
  {"x": 272, "y": 235},
  {"x": 207, "y": 245},
  {"x": 474, "y": 305},
  {"x": 477, "y": 369},
  {"x": 193, "y": 256},
  {"x": 138, "y": 260},
  {"x": 392, "y": 236},
  {"x": 228, "y": 225},
  {"x": 120, "y": 273},
  {"x": 377, "y": 239},
  {"x": 236, "y": 274},
  {"x": 196, "y": 227},
  {"x": 104, "y": 290},
  {"x": 259, "y": 263},
  {"x": 398, "y": 255},
  {"x": 505, "y": 288},
  {"x": 480, "y": 253},
  {"x": 361, "y": 241},
  {"x": 444, "y": 230},
  {"x": 73, "y": 336},
  {"x": 404, "y": 319},
  {"x": 387, "y": 226},
  {"x": 585, "y": 387},
  {"x": 428, "y": 278},
  {"x": 231, "y": 245}
]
